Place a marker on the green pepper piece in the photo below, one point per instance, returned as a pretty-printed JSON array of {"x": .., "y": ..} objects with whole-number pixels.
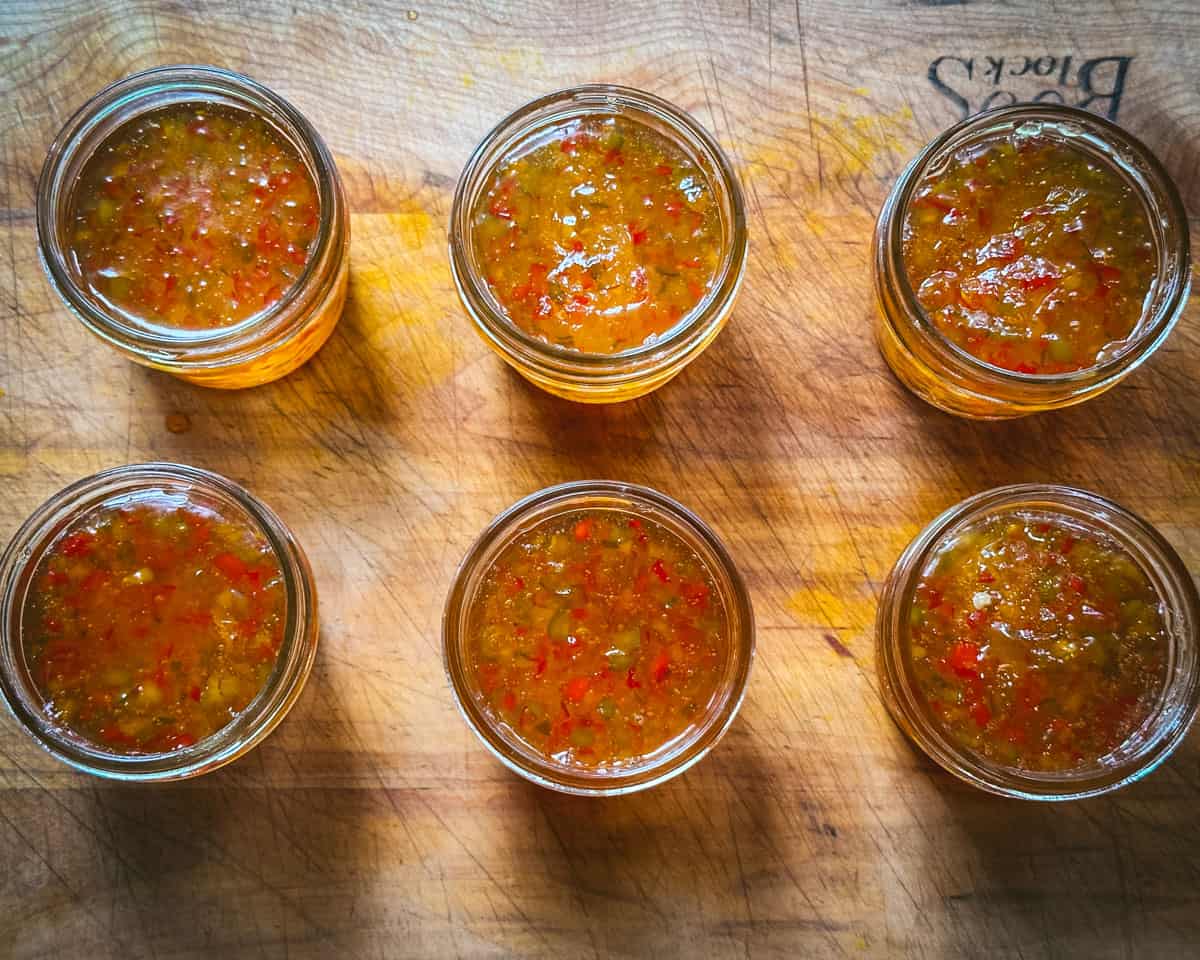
[
  {"x": 1048, "y": 589},
  {"x": 491, "y": 639},
  {"x": 618, "y": 660},
  {"x": 559, "y": 625},
  {"x": 627, "y": 640},
  {"x": 1131, "y": 611},
  {"x": 1061, "y": 351}
]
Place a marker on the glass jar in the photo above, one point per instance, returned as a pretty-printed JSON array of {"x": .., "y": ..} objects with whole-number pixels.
[
  {"x": 121, "y": 485},
  {"x": 1167, "y": 723},
  {"x": 593, "y": 377},
  {"x": 264, "y": 347},
  {"x": 944, "y": 374},
  {"x": 592, "y": 495}
]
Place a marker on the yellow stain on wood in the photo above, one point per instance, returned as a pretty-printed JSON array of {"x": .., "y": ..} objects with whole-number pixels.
[
  {"x": 402, "y": 299},
  {"x": 843, "y": 618},
  {"x": 411, "y": 227},
  {"x": 847, "y": 143},
  {"x": 395, "y": 265},
  {"x": 860, "y": 140},
  {"x": 520, "y": 62}
]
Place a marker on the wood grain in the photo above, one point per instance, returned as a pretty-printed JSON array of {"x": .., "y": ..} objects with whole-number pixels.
[{"x": 371, "y": 823}]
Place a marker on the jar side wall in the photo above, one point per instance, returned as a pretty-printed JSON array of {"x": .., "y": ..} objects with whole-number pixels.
[
  {"x": 600, "y": 392},
  {"x": 282, "y": 359}
]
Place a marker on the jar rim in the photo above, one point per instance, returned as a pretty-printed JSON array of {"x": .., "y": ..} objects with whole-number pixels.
[
  {"x": 183, "y": 349},
  {"x": 1176, "y": 708},
  {"x": 41, "y": 529},
  {"x": 554, "y": 501},
  {"x": 1163, "y": 202},
  {"x": 583, "y": 100}
]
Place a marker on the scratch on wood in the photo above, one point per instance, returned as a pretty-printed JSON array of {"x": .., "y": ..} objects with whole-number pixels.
[
  {"x": 812, "y": 133},
  {"x": 838, "y": 647}
]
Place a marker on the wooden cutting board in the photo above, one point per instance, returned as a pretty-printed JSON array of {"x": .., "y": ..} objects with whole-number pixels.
[{"x": 372, "y": 823}]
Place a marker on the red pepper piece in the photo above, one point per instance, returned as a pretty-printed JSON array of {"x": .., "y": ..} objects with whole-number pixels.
[
  {"x": 933, "y": 200},
  {"x": 1006, "y": 247},
  {"x": 77, "y": 544},
  {"x": 1075, "y": 582},
  {"x": 637, "y": 235},
  {"x": 93, "y": 581},
  {"x": 631, "y": 680},
  {"x": 964, "y": 658},
  {"x": 1039, "y": 281},
  {"x": 661, "y": 668},
  {"x": 980, "y": 713},
  {"x": 576, "y": 688},
  {"x": 233, "y": 567},
  {"x": 1106, "y": 278},
  {"x": 663, "y": 170},
  {"x": 576, "y": 140},
  {"x": 660, "y": 570},
  {"x": 696, "y": 595},
  {"x": 113, "y": 734}
]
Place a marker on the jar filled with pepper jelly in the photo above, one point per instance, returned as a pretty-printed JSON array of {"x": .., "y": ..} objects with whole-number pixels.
[{"x": 1029, "y": 258}]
